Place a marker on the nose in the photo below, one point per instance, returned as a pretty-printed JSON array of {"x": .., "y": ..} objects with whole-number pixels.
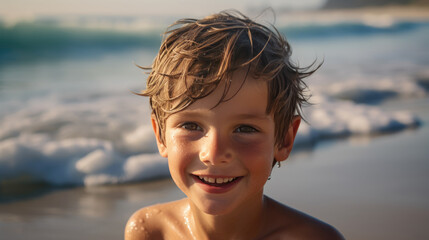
[{"x": 215, "y": 149}]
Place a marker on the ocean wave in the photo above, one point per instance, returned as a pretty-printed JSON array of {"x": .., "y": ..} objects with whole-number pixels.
[
  {"x": 73, "y": 162},
  {"x": 79, "y": 144},
  {"x": 348, "y": 29},
  {"x": 330, "y": 118},
  {"x": 28, "y": 40},
  {"x": 39, "y": 39}
]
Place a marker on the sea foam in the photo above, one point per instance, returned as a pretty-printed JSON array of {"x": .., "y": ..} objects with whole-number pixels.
[
  {"x": 34, "y": 142},
  {"x": 75, "y": 161}
]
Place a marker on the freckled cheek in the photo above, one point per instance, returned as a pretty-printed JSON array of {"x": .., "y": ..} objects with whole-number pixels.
[
  {"x": 180, "y": 154},
  {"x": 257, "y": 153}
]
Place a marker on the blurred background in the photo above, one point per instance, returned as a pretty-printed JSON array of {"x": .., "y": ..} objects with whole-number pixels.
[{"x": 77, "y": 153}]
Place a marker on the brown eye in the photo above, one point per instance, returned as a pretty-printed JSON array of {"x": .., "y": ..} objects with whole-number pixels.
[
  {"x": 245, "y": 129},
  {"x": 191, "y": 126}
]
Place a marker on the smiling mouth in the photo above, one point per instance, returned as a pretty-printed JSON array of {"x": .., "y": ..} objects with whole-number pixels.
[{"x": 216, "y": 181}]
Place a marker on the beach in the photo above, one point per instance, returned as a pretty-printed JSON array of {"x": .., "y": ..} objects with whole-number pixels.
[{"x": 78, "y": 156}]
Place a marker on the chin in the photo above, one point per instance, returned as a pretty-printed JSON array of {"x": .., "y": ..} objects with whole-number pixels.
[{"x": 215, "y": 207}]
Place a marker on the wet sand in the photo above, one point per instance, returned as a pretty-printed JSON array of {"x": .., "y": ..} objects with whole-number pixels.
[
  {"x": 81, "y": 213},
  {"x": 368, "y": 187}
]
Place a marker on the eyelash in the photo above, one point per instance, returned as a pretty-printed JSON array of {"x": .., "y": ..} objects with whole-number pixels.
[
  {"x": 187, "y": 125},
  {"x": 191, "y": 126},
  {"x": 252, "y": 129}
]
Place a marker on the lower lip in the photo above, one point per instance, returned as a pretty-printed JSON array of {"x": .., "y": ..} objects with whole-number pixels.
[{"x": 215, "y": 189}]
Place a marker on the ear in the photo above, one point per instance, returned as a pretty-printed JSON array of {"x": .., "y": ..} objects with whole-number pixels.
[
  {"x": 285, "y": 148},
  {"x": 161, "y": 146}
]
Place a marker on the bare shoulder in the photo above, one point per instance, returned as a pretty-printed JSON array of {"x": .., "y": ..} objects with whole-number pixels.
[
  {"x": 143, "y": 225},
  {"x": 293, "y": 224},
  {"x": 151, "y": 222}
]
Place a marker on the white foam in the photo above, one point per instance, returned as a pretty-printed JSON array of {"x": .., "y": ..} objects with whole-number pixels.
[
  {"x": 95, "y": 162},
  {"x": 145, "y": 166},
  {"x": 85, "y": 141},
  {"x": 75, "y": 161},
  {"x": 330, "y": 118},
  {"x": 141, "y": 139},
  {"x": 132, "y": 156}
]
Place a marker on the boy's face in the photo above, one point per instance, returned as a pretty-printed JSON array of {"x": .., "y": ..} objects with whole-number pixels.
[{"x": 221, "y": 157}]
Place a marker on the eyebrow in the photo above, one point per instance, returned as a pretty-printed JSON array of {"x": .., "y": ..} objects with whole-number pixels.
[{"x": 255, "y": 116}]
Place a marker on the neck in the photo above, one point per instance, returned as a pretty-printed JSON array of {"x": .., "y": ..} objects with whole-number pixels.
[{"x": 243, "y": 223}]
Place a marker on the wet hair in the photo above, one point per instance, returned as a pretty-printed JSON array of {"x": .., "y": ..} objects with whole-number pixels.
[{"x": 198, "y": 55}]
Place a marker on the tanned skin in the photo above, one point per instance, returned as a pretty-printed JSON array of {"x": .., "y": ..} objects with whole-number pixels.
[{"x": 232, "y": 142}]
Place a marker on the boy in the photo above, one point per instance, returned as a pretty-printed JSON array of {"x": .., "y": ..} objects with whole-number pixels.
[{"x": 226, "y": 105}]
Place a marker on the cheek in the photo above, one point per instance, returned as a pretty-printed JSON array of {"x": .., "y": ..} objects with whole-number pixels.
[
  {"x": 257, "y": 155},
  {"x": 177, "y": 164},
  {"x": 180, "y": 156}
]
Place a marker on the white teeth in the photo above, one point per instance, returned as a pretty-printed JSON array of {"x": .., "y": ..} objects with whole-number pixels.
[
  {"x": 219, "y": 180},
  {"x": 216, "y": 180}
]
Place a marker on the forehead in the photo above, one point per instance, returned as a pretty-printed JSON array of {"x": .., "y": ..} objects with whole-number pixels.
[{"x": 245, "y": 93}]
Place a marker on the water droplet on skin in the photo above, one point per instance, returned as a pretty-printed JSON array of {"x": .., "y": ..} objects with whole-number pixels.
[
  {"x": 133, "y": 226},
  {"x": 156, "y": 211}
]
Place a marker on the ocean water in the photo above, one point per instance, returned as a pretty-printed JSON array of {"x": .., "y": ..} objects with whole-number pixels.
[{"x": 68, "y": 115}]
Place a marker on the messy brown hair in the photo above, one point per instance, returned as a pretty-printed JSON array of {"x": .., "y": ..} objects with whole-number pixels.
[{"x": 199, "y": 55}]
